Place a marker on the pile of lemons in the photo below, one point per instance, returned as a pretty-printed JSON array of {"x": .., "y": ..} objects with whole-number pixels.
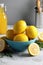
[{"x": 23, "y": 33}]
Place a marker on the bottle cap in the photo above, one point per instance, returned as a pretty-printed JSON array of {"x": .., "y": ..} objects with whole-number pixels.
[{"x": 2, "y": 5}]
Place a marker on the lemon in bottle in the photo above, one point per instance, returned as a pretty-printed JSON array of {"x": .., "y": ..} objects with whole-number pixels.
[{"x": 3, "y": 19}]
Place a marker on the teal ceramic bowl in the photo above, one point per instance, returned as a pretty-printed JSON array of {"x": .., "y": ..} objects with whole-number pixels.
[{"x": 19, "y": 46}]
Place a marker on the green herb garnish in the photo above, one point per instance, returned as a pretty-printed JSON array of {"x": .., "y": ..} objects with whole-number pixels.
[
  {"x": 39, "y": 43},
  {"x": 8, "y": 52}
]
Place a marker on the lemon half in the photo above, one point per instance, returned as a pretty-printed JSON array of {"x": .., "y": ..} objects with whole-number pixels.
[
  {"x": 2, "y": 45},
  {"x": 40, "y": 36},
  {"x": 34, "y": 49}
]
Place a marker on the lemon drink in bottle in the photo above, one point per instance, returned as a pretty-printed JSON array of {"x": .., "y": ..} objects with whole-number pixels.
[{"x": 3, "y": 19}]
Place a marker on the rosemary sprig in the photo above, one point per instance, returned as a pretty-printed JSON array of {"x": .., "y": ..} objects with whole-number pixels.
[
  {"x": 39, "y": 43},
  {"x": 8, "y": 52}
]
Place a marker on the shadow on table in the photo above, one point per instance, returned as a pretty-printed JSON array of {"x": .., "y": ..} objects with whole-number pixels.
[{"x": 25, "y": 55}]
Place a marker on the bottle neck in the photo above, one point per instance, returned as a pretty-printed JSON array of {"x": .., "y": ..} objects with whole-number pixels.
[
  {"x": 2, "y": 9},
  {"x": 38, "y": 5}
]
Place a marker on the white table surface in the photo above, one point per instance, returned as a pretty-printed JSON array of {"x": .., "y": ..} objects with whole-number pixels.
[{"x": 22, "y": 58}]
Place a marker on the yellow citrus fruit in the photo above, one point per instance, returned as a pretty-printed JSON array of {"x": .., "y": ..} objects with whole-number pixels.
[
  {"x": 21, "y": 38},
  {"x": 10, "y": 34},
  {"x": 34, "y": 49},
  {"x": 40, "y": 36},
  {"x": 2, "y": 45},
  {"x": 32, "y": 32},
  {"x": 20, "y": 26}
]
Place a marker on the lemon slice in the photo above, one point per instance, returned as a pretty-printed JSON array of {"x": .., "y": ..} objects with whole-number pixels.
[
  {"x": 34, "y": 49},
  {"x": 40, "y": 36},
  {"x": 2, "y": 45}
]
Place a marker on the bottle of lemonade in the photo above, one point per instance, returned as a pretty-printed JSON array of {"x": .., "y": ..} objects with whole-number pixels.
[{"x": 3, "y": 19}]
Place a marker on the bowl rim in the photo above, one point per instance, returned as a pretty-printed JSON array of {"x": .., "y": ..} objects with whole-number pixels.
[{"x": 21, "y": 41}]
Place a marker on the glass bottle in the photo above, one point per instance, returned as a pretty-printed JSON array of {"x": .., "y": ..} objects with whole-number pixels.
[
  {"x": 39, "y": 14},
  {"x": 3, "y": 19}
]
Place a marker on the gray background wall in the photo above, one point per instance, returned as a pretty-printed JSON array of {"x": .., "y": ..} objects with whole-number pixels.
[{"x": 20, "y": 9}]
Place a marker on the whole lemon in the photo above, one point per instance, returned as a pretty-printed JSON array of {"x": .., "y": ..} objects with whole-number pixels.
[
  {"x": 10, "y": 34},
  {"x": 32, "y": 32},
  {"x": 21, "y": 37},
  {"x": 20, "y": 26}
]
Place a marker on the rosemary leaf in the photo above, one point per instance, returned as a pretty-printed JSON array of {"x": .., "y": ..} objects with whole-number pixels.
[{"x": 39, "y": 43}]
